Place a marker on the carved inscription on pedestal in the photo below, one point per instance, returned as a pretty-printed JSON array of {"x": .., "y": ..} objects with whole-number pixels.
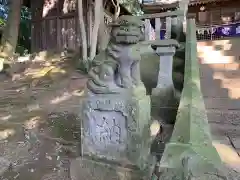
[{"x": 107, "y": 130}]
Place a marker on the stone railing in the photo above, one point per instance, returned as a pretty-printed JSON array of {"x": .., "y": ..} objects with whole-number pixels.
[
  {"x": 190, "y": 154},
  {"x": 159, "y": 18}
]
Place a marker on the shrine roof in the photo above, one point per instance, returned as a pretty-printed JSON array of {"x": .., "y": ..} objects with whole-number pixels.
[
  {"x": 199, "y": 2},
  {"x": 26, "y": 3},
  {"x": 153, "y": 6}
]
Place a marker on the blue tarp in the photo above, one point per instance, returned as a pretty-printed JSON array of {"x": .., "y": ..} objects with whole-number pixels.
[
  {"x": 230, "y": 30},
  {"x": 3, "y": 12},
  {"x": 227, "y": 30}
]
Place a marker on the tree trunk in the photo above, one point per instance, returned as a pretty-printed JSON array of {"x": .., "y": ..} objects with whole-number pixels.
[
  {"x": 82, "y": 30},
  {"x": 10, "y": 33},
  {"x": 90, "y": 8},
  {"x": 97, "y": 13},
  {"x": 116, "y": 5},
  {"x": 103, "y": 34}
]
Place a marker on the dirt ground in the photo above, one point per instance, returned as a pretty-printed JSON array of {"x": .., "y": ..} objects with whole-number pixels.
[{"x": 39, "y": 128}]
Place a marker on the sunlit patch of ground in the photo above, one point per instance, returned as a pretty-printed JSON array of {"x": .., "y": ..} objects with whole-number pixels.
[
  {"x": 228, "y": 155},
  {"x": 39, "y": 128},
  {"x": 6, "y": 133}
]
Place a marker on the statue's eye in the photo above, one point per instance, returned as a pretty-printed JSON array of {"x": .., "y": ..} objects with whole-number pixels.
[
  {"x": 107, "y": 74},
  {"x": 124, "y": 28}
]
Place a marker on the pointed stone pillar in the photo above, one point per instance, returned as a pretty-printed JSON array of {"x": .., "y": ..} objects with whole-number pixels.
[
  {"x": 190, "y": 154},
  {"x": 163, "y": 97}
]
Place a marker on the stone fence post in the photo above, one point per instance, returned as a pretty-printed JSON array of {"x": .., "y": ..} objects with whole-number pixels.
[{"x": 163, "y": 95}]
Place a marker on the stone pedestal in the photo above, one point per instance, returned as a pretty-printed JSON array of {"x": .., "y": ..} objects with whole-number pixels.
[
  {"x": 163, "y": 96},
  {"x": 115, "y": 136}
]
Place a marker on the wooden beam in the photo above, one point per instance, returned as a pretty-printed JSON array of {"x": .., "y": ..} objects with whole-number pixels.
[
  {"x": 152, "y": 6},
  {"x": 162, "y": 15},
  {"x": 191, "y": 15},
  {"x": 27, "y": 3}
]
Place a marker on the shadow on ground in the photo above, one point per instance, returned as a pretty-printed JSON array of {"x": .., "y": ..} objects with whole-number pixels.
[{"x": 39, "y": 124}]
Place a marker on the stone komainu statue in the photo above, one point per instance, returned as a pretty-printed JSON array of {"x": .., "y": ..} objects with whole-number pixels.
[{"x": 118, "y": 67}]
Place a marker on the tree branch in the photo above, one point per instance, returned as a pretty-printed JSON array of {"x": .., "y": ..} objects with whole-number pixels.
[{"x": 117, "y": 9}]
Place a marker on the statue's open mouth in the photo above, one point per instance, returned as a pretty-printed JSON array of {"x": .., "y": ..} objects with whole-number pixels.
[
  {"x": 124, "y": 35},
  {"x": 127, "y": 38},
  {"x": 128, "y": 33}
]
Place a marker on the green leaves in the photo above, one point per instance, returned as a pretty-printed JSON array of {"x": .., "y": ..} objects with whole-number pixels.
[
  {"x": 24, "y": 43},
  {"x": 2, "y": 22},
  {"x": 133, "y": 6},
  {"x": 24, "y": 28}
]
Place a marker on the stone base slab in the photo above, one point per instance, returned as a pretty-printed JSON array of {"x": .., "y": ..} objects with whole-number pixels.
[{"x": 86, "y": 169}]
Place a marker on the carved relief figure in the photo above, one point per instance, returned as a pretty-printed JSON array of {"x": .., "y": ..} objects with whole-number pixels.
[
  {"x": 108, "y": 131},
  {"x": 117, "y": 68}
]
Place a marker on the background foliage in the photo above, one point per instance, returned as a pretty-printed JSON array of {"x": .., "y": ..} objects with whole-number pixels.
[{"x": 24, "y": 41}]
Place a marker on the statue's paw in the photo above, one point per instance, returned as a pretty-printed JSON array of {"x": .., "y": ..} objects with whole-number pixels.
[
  {"x": 127, "y": 85},
  {"x": 118, "y": 81},
  {"x": 138, "y": 83}
]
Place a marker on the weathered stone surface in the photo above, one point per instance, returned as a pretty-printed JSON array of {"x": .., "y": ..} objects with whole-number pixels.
[
  {"x": 118, "y": 67},
  {"x": 150, "y": 68},
  {"x": 164, "y": 104},
  {"x": 163, "y": 96},
  {"x": 116, "y": 137},
  {"x": 117, "y": 128},
  {"x": 166, "y": 50}
]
